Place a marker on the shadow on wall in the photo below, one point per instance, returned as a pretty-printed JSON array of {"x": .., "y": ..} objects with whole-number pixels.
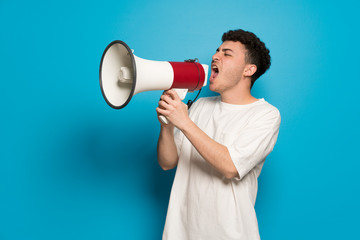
[{"x": 119, "y": 164}]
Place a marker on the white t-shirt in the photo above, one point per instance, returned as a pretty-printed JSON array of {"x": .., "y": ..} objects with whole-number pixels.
[{"x": 204, "y": 205}]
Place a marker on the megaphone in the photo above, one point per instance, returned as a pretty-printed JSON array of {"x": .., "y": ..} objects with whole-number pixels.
[{"x": 122, "y": 75}]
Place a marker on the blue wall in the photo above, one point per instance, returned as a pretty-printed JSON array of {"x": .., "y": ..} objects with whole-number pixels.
[{"x": 71, "y": 167}]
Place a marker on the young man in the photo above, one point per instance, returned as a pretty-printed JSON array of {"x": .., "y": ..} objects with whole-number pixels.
[{"x": 220, "y": 147}]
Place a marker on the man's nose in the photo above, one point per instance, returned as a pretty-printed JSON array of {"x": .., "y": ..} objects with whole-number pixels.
[{"x": 215, "y": 56}]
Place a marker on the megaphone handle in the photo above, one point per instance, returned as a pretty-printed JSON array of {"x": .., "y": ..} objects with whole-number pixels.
[
  {"x": 182, "y": 95},
  {"x": 164, "y": 119}
]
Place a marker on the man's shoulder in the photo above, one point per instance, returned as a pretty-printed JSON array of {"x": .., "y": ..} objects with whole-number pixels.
[
  {"x": 265, "y": 111},
  {"x": 267, "y": 107}
]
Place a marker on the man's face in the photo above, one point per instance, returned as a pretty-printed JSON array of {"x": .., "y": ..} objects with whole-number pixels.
[{"x": 227, "y": 68}]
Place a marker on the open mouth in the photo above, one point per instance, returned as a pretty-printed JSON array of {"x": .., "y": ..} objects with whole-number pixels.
[{"x": 214, "y": 71}]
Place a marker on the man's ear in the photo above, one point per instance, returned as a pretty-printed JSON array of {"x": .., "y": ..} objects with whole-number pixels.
[{"x": 250, "y": 69}]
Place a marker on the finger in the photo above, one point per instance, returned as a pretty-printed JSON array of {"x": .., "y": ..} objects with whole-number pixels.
[
  {"x": 161, "y": 111},
  {"x": 166, "y": 98},
  {"x": 167, "y": 92},
  {"x": 164, "y": 105},
  {"x": 164, "y": 94},
  {"x": 173, "y": 95}
]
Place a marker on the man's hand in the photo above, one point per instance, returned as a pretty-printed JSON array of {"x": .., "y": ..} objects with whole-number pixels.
[{"x": 171, "y": 106}]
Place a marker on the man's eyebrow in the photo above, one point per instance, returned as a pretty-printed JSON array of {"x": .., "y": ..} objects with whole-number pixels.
[{"x": 224, "y": 50}]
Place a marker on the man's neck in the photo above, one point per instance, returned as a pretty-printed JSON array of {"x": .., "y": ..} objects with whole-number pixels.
[{"x": 239, "y": 95}]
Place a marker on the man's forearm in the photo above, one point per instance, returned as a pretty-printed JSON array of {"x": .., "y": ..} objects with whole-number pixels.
[
  {"x": 213, "y": 152},
  {"x": 167, "y": 152}
]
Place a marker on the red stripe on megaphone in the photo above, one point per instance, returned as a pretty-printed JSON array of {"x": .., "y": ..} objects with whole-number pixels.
[{"x": 188, "y": 75}]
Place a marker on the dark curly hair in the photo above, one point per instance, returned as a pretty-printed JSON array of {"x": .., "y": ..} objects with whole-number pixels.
[{"x": 257, "y": 53}]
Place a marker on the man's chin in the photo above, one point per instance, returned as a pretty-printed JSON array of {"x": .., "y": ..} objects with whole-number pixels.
[{"x": 213, "y": 87}]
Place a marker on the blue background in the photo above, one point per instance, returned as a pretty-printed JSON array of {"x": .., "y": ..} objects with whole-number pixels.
[{"x": 73, "y": 168}]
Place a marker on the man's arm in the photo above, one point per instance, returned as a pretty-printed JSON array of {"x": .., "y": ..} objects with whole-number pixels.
[
  {"x": 166, "y": 148},
  {"x": 215, "y": 153}
]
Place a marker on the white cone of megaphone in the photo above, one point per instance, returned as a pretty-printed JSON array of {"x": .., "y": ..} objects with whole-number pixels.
[{"x": 122, "y": 75}]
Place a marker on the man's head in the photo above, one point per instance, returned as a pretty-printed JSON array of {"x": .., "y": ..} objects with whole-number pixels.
[
  {"x": 241, "y": 56},
  {"x": 256, "y": 53}
]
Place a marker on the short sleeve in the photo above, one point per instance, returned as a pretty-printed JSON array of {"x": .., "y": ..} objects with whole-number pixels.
[{"x": 252, "y": 145}]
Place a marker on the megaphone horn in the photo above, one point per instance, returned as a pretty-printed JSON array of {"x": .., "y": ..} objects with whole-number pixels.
[{"x": 122, "y": 75}]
